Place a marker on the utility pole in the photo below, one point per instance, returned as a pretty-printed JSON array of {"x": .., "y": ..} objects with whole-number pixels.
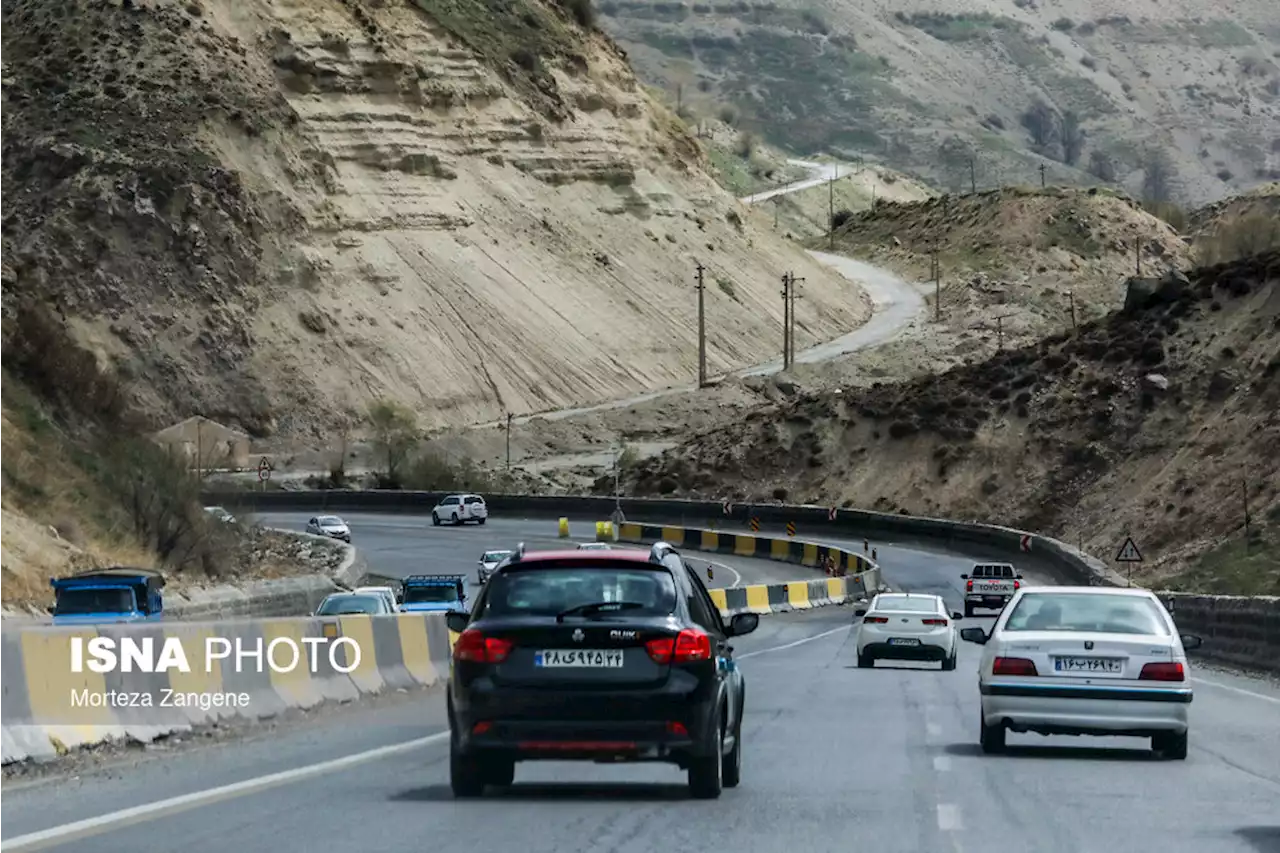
[
  {"x": 702, "y": 329},
  {"x": 973, "y": 177},
  {"x": 831, "y": 211},
  {"x": 1000, "y": 330},
  {"x": 1137, "y": 255},
  {"x": 1244, "y": 494},
  {"x": 937, "y": 286},
  {"x": 1043, "y": 169},
  {"x": 786, "y": 320},
  {"x": 509, "y": 417},
  {"x": 777, "y": 199},
  {"x": 1071, "y": 298},
  {"x": 795, "y": 294}
]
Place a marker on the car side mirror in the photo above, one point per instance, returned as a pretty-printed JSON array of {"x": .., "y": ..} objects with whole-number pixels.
[
  {"x": 1191, "y": 641},
  {"x": 956, "y": 614},
  {"x": 457, "y": 622},
  {"x": 974, "y": 635},
  {"x": 964, "y": 577},
  {"x": 743, "y": 623},
  {"x": 861, "y": 611}
]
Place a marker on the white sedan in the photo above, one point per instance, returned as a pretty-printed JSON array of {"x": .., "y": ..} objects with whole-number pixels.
[
  {"x": 907, "y": 626},
  {"x": 1085, "y": 661}
]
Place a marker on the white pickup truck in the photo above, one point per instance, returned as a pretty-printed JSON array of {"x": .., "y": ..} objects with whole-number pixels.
[{"x": 989, "y": 585}]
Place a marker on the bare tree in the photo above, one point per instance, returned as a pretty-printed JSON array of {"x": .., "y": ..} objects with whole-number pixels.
[
  {"x": 1158, "y": 175},
  {"x": 955, "y": 155},
  {"x": 394, "y": 431},
  {"x": 1101, "y": 166},
  {"x": 1041, "y": 122},
  {"x": 1071, "y": 135}
]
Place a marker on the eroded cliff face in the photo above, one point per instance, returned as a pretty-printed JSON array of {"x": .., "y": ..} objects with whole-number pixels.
[{"x": 271, "y": 211}]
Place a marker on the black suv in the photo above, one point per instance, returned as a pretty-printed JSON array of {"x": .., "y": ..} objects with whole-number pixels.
[{"x": 606, "y": 656}]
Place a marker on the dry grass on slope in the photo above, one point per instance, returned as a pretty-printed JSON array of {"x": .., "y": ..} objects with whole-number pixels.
[{"x": 1151, "y": 422}]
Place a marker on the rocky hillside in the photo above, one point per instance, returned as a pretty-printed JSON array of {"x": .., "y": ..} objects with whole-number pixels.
[
  {"x": 1026, "y": 256},
  {"x": 271, "y": 211},
  {"x": 930, "y": 85},
  {"x": 1237, "y": 226},
  {"x": 1156, "y": 421}
]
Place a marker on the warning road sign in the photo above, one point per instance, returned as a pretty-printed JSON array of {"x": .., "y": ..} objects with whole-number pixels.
[
  {"x": 727, "y": 508},
  {"x": 831, "y": 514},
  {"x": 1129, "y": 552},
  {"x": 755, "y": 525},
  {"x": 264, "y": 469},
  {"x": 791, "y": 528},
  {"x": 1025, "y": 542}
]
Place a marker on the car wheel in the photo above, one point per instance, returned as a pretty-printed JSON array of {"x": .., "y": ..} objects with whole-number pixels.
[
  {"x": 455, "y": 519},
  {"x": 706, "y": 773},
  {"x": 480, "y": 520},
  {"x": 949, "y": 662},
  {"x": 991, "y": 738},
  {"x": 435, "y": 520},
  {"x": 732, "y": 771},
  {"x": 968, "y": 611},
  {"x": 466, "y": 774},
  {"x": 866, "y": 660},
  {"x": 1172, "y": 746}
]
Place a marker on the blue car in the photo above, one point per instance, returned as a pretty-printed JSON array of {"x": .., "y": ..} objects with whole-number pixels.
[{"x": 434, "y": 594}]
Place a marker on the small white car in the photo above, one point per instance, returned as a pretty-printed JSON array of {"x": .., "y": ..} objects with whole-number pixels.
[
  {"x": 354, "y": 604},
  {"x": 459, "y": 509},
  {"x": 594, "y": 546},
  {"x": 1085, "y": 661},
  {"x": 385, "y": 591},
  {"x": 907, "y": 626},
  {"x": 220, "y": 514},
  {"x": 329, "y": 525},
  {"x": 489, "y": 561}
]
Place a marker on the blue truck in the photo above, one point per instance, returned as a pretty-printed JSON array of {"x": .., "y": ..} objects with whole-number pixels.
[
  {"x": 433, "y": 594},
  {"x": 108, "y": 595}
]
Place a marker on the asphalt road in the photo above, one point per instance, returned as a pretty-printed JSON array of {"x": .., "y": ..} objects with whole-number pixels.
[
  {"x": 400, "y": 545},
  {"x": 836, "y": 758}
]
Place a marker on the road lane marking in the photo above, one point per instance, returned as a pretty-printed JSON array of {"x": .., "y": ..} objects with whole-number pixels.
[
  {"x": 949, "y": 817},
  {"x": 794, "y": 644},
  {"x": 942, "y": 763},
  {"x": 934, "y": 730},
  {"x": 58, "y": 835},
  {"x": 1218, "y": 684}
]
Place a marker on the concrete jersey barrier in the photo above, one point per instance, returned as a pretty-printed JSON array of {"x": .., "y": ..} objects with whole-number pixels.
[
  {"x": 1208, "y": 615},
  {"x": 48, "y": 709}
]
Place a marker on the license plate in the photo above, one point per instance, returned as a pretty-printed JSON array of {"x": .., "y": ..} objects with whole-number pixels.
[
  {"x": 903, "y": 641},
  {"x": 1087, "y": 665},
  {"x": 601, "y": 658}
]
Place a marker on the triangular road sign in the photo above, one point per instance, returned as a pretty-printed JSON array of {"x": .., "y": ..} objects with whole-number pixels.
[{"x": 1129, "y": 552}]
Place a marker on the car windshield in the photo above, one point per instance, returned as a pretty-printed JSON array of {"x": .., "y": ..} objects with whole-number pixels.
[
  {"x": 329, "y": 521},
  {"x": 539, "y": 591},
  {"x": 82, "y": 601},
  {"x": 430, "y": 594},
  {"x": 494, "y": 556},
  {"x": 899, "y": 604},
  {"x": 351, "y": 604},
  {"x": 1080, "y": 611}
]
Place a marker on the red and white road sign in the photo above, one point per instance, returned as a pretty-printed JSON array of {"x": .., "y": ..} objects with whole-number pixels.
[
  {"x": 831, "y": 514},
  {"x": 264, "y": 469},
  {"x": 1025, "y": 542}
]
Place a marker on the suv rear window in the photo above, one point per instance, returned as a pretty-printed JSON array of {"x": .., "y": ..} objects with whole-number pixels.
[
  {"x": 996, "y": 571},
  {"x": 537, "y": 591}
]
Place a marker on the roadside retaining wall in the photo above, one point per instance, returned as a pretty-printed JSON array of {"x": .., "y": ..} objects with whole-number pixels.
[{"x": 1229, "y": 635}]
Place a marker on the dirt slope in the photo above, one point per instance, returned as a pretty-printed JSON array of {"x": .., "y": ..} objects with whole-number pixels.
[
  {"x": 1151, "y": 422},
  {"x": 270, "y": 211},
  {"x": 900, "y": 77}
]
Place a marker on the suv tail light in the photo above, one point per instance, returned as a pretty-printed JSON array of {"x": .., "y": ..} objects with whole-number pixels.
[
  {"x": 1163, "y": 672},
  {"x": 968, "y": 586},
  {"x": 1013, "y": 666},
  {"x": 1017, "y": 585},
  {"x": 687, "y": 646},
  {"x": 475, "y": 647},
  {"x": 878, "y": 620},
  {"x": 942, "y": 622}
]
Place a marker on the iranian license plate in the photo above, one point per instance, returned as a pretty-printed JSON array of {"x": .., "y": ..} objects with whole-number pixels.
[
  {"x": 599, "y": 658},
  {"x": 1087, "y": 665},
  {"x": 903, "y": 641}
]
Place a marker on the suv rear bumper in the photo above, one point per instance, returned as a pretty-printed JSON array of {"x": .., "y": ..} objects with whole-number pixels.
[{"x": 996, "y": 602}]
